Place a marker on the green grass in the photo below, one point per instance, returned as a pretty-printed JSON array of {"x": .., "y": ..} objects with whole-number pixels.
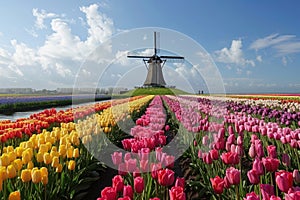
[{"x": 153, "y": 91}]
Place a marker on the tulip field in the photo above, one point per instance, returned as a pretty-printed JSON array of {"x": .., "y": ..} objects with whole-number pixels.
[{"x": 156, "y": 147}]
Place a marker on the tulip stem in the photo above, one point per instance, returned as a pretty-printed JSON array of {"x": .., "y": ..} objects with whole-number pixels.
[{"x": 237, "y": 192}]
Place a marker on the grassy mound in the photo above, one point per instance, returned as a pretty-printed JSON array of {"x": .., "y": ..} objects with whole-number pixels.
[{"x": 154, "y": 91}]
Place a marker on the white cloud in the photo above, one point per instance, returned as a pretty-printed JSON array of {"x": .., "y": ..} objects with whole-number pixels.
[
  {"x": 100, "y": 26},
  {"x": 233, "y": 55},
  {"x": 23, "y": 55},
  {"x": 40, "y": 16},
  {"x": 288, "y": 48},
  {"x": 259, "y": 58},
  {"x": 270, "y": 40}
]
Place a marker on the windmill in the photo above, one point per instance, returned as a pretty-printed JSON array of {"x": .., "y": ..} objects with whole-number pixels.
[{"x": 155, "y": 63}]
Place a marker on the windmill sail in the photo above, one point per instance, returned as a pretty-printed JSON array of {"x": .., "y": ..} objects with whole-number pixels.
[{"x": 155, "y": 76}]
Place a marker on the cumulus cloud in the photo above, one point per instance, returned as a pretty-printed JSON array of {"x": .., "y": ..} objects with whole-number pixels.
[
  {"x": 61, "y": 54},
  {"x": 41, "y": 16},
  {"x": 233, "y": 55},
  {"x": 259, "y": 58}
]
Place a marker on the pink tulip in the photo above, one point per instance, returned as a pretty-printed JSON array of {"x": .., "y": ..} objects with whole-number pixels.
[
  {"x": 131, "y": 164},
  {"x": 251, "y": 196},
  {"x": 116, "y": 158},
  {"x": 296, "y": 175},
  {"x": 272, "y": 151},
  {"x": 180, "y": 182},
  {"x": 233, "y": 175},
  {"x": 267, "y": 190},
  {"x": 166, "y": 177},
  {"x": 253, "y": 176},
  {"x": 286, "y": 159},
  {"x": 258, "y": 166},
  {"x": 252, "y": 152},
  {"x": 109, "y": 193}
]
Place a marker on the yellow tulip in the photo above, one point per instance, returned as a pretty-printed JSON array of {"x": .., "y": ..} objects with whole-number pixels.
[
  {"x": 14, "y": 196},
  {"x": 54, "y": 148},
  {"x": 49, "y": 144},
  {"x": 62, "y": 150},
  {"x": 55, "y": 161},
  {"x": 30, "y": 165},
  {"x": 43, "y": 148},
  {"x": 10, "y": 149},
  {"x": 70, "y": 152},
  {"x": 71, "y": 165},
  {"x": 59, "y": 168},
  {"x": 40, "y": 157},
  {"x": 4, "y": 160},
  {"x": 26, "y": 175},
  {"x": 19, "y": 150},
  {"x": 3, "y": 174},
  {"x": 47, "y": 158},
  {"x": 29, "y": 144},
  {"x": 44, "y": 180},
  {"x": 76, "y": 153},
  {"x": 12, "y": 156},
  {"x": 18, "y": 164},
  {"x": 44, "y": 171},
  {"x": 36, "y": 176},
  {"x": 11, "y": 171},
  {"x": 26, "y": 157}
]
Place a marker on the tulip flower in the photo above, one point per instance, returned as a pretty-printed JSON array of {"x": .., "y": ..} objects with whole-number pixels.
[
  {"x": 284, "y": 180},
  {"x": 177, "y": 193},
  {"x": 109, "y": 193},
  {"x": 165, "y": 177},
  {"x": 16, "y": 195},
  {"x": 36, "y": 176},
  {"x": 71, "y": 165},
  {"x": 266, "y": 190},
  {"x": 233, "y": 175},
  {"x": 253, "y": 176},
  {"x": 272, "y": 151},
  {"x": 217, "y": 184},
  {"x": 180, "y": 182},
  {"x": 258, "y": 166},
  {"x": 296, "y": 175},
  {"x": 286, "y": 159},
  {"x": 270, "y": 164},
  {"x": 230, "y": 158},
  {"x": 127, "y": 191},
  {"x": 139, "y": 184},
  {"x": 116, "y": 158},
  {"x": 251, "y": 196},
  {"x": 26, "y": 175},
  {"x": 118, "y": 183}
]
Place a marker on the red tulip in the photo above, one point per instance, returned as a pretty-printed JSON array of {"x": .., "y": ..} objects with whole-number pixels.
[
  {"x": 207, "y": 158},
  {"x": 233, "y": 175},
  {"x": 180, "y": 182},
  {"x": 109, "y": 193},
  {"x": 118, "y": 183},
  {"x": 214, "y": 154},
  {"x": 127, "y": 191},
  {"x": 230, "y": 158},
  {"x": 177, "y": 193},
  {"x": 124, "y": 198},
  {"x": 284, "y": 180},
  {"x": 270, "y": 164},
  {"x": 139, "y": 184},
  {"x": 166, "y": 177},
  {"x": 217, "y": 184}
]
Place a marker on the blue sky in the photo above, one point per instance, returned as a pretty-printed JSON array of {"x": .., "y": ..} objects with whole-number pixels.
[{"x": 255, "y": 45}]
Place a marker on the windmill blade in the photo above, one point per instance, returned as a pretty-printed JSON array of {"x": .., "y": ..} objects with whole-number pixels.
[
  {"x": 158, "y": 42},
  {"x": 138, "y": 56},
  {"x": 171, "y": 57}
]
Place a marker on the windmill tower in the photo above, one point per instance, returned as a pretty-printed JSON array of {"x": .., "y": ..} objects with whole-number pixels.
[{"x": 155, "y": 63}]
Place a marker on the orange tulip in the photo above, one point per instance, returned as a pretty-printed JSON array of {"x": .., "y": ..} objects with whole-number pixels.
[{"x": 14, "y": 196}]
